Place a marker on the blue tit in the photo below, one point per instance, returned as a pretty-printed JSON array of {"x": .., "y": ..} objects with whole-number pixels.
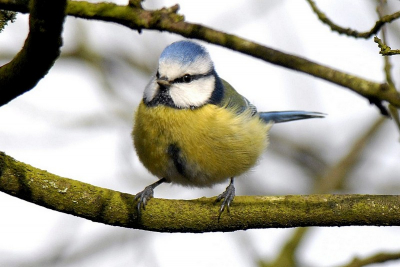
[{"x": 192, "y": 128}]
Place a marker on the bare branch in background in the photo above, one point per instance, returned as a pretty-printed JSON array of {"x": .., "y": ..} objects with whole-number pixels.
[
  {"x": 385, "y": 49},
  {"x": 350, "y": 32},
  {"x": 167, "y": 19},
  {"x": 377, "y": 258},
  {"x": 41, "y": 49}
]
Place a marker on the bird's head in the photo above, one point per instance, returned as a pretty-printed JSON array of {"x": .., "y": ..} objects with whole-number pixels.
[{"x": 185, "y": 78}]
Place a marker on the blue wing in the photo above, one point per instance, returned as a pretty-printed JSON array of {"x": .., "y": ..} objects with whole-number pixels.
[
  {"x": 236, "y": 101},
  {"x": 284, "y": 116},
  {"x": 233, "y": 99}
]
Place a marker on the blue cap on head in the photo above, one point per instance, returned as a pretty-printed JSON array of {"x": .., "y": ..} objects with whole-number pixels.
[{"x": 184, "y": 52}]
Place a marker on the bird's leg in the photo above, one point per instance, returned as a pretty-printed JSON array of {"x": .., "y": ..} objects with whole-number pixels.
[
  {"x": 228, "y": 197},
  {"x": 146, "y": 194}
]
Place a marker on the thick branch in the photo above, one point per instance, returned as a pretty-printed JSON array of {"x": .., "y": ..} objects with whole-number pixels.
[
  {"x": 167, "y": 20},
  {"x": 39, "y": 52},
  {"x": 199, "y": 215}
]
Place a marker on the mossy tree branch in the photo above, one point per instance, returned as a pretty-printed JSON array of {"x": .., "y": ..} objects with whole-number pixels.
[
  {"x": 167, "y": 19},
  {"x": 199, "y": 215},
  {"x": 41, "y": 49}
]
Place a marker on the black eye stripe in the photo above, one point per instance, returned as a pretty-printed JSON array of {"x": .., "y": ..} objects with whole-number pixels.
[{"x": 194, "y": 77}]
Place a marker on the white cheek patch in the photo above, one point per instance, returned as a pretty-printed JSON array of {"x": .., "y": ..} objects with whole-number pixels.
[
  {"x": 193, "y": 94},
  {"x": 150, "y": 90},
  {"x": 184, "y": 95}
]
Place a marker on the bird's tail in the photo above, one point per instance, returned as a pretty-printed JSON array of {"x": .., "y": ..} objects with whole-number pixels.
[{"x": 292, "y": 115}]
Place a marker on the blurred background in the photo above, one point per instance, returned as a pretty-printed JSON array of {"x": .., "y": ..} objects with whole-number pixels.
[{"x": 76, "y": 123}]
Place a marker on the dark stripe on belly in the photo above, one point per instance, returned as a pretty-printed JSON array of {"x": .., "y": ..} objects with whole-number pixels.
[{"x": 175, "y": 153}]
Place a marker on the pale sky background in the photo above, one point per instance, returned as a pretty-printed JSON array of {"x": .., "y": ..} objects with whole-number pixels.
[{"x": 70, "y": 126}]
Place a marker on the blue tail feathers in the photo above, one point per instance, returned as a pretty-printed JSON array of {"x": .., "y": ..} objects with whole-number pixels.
[{"x": 284, "y": 116}]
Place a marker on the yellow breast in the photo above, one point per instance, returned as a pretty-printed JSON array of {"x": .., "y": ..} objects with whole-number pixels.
[{"x": 199, "y": 147}]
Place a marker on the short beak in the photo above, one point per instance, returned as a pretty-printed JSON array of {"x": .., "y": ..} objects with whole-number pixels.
[{"x": 163, "y": 83}]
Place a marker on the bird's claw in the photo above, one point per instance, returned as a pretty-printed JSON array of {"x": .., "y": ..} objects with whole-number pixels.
[
  {"x": 143, "y": 197},
  {"x": 146, "y": 194},
  {"x": 227, "y": 197}
]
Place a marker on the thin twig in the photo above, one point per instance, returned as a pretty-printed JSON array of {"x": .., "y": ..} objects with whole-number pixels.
[
  {"x": 394, "y": 112},
  {"x": 385, "y": 49},
  {"x": 350, "y": 32},
  {"x": 378, "y": 258}
]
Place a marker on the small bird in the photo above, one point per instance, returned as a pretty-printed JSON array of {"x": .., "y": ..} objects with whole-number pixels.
[{"x": 192, "y": 128}]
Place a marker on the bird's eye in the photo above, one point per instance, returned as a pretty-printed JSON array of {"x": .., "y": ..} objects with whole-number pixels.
[{"x": 187, "y": 78}]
